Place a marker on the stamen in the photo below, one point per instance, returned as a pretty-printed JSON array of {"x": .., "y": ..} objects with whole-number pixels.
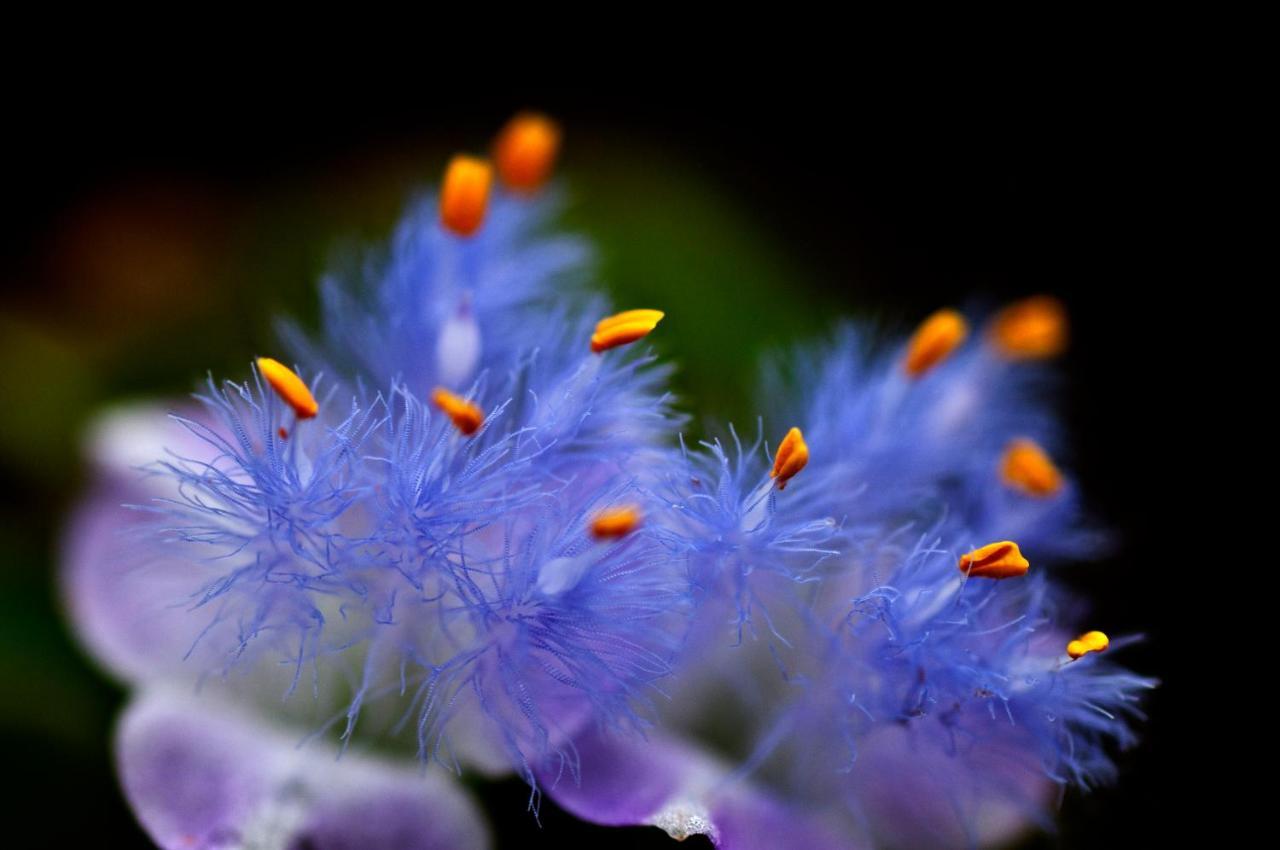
[
  {"x": 1031, "y": 329},
  {"x": 791, "y": 457},
  {"x": 458, "y": 346},
  {"x": 526, "y": 150},
  {"x": 624, "y": 328},
  {"x": 289, "y": 387},
  {"x": 1086, "y": 643},
  {"x": 1026, "y": 467},
  {"x": 467, "y": 417},
  {"x": 465, "y": 194},
  {"x": 995, "y": 560},
  {"x": 561, "y": 574},
  {"x": 934, "y": 340},
  {"x": 613, "y": 523}
]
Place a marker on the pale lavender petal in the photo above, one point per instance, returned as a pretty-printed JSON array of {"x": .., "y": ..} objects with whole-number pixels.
[
  {"x": 132, "y": 602},
  {"x": 673, "y": 785},
  {"x": 912, "y": 792},
  {"x": 136, "y": 604},
  {"x": 126, "y": 604},
  {"x": 200, "y": 776},
  {"x": 121, "y": 441},
  {"x": 752, "y": 820}
]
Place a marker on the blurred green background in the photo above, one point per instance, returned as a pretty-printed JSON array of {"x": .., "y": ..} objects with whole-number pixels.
[{"x": 755, "y": 228}]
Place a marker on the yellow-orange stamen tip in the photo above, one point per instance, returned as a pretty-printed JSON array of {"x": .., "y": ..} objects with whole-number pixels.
[
  {"x": 995, "y": 560},
  {"x": 465, "y": 194},
  {"x": 1026, "y": 467},
  {"x": 525, "y": 151},
  {"x": 615, "y": 522},
  {"x": 1031, "y": 329},
  {"x": 934, "y": 340},
  {"x": 791, "y": 457},
  {"x": 289, "y": 386},
  {"x": 1086, "y": 643},
  {"x": 624, "y": 328},
  {"x": 466, "y": 416}
]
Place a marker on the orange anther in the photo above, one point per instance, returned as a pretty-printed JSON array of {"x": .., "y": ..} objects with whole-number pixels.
[
  {"x": 465, "y": 194},
  {"x": 624, "y": 328},
  {"x": 934, "y": 340},
  {"x": 1026, "y": 467},
  {"x": 1032, "y": 328},
  {"x": 466, "y": 416},
  {"x": 289, "y": 386},
  {"x": 995, "y": 560},
  {"x": 791, "y": 457},
  {"x": 615, "y": 522},
  {"x": 526, "y": 150},
  {"x": 1086, "y": 643}
]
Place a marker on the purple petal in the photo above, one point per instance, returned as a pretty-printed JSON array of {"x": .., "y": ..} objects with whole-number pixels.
[
  {"x": 129, "y": 601},
  {"x": 684, "y": 791},
  {"x": 130, "y": 605},
  {"x": 913, "y": 792},
  {"x": 134, "y": 604},
  {"x": 121, "y": 608},
  {"x": 746, "y": 820},
  {"x": 200, "y": 776},
  {"x": 120, "y": 441}
]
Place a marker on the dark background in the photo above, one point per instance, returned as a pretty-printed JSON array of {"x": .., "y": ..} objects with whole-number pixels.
[{"x": 875, "y": 196}]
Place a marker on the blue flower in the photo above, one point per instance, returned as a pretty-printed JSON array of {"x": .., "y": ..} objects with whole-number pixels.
[
  {"x": 970, "y": 673},
  {"x": 434, "y": 307},
  {"x": 404, "y": 536},
  {"x": 744, "y": 538},
  {"x": 915, "y": 684},
  {"x": 897, "y": 444},
  {"x": 411, "y": 548},
  {"x": 465, "y": 527}
]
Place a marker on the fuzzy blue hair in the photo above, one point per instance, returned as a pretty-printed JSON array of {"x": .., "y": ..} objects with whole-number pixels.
[
  {"x": 379, "y": 546},
  {"x": 877, "y": 633},
  {"x": 448, "y": 585}
]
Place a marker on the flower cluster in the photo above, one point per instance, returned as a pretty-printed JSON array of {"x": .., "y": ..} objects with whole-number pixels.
[{"x": 466, "y": 526}]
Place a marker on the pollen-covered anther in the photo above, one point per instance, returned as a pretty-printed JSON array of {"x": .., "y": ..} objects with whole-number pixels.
[
  {"x": 1086, "y": 643},
  {"x": 1026, "y": 467},
  {"x": 624, "y": 328},
  {"x": 612, "y": 523},
  {"x": 525, "y": 151},
  {"x": 934, "y": 340},
  {"x": 466, "y": 416},
  {"x": 464, "y": 197},
  {"x": 289, "y": 387},
  {"x": 1031, "y": 329},
  {"x": 995, "y": 560},
  {"x": 791, "y": 457}
]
